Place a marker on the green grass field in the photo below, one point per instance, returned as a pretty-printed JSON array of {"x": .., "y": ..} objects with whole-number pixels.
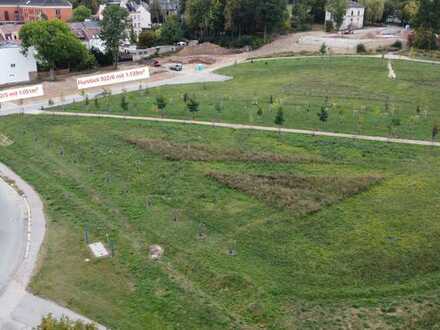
[
  {"x": 357, "y": 92},
  {"x": 326, "y": 233}
]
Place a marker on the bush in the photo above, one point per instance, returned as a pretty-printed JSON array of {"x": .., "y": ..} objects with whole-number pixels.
[
  {"x": 101, "y": 58},
  {"x": 397, "y": 44},
  {"x": 329, "y": 26},
  {"x": 425, "y": 39},
  {"x": 360, "y": 49},
  {"x": 147, "y": 39}
]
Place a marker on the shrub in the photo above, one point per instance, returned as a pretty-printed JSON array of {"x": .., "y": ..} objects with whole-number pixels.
[
  {"x": 360, "y": 49},
  {"x": 329, "y": 26},
  {"x": 425, "y": 39},
  {"x": 323, "y": 49},
  {"x": 397, "y": 44},
  {"x": 124, "y": 103}
]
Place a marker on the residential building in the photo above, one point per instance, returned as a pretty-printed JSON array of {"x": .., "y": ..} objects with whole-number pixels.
[
  {"x": 88, "y": 32},
  {"x": 169, "y": 7},
  {"x": 16, "y": 67},
  {"x": 139, "y": 14},
  {"x": 10, "y": 32},
  {"x": 22, "y": 11},
  {"x": 354, "y": 16}
]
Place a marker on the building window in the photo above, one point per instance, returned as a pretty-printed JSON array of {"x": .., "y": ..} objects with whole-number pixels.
[
  {"x": 58, "y": 13},
  {"x": 13, "y": 65},
  {"x": 6, "y": 16}
]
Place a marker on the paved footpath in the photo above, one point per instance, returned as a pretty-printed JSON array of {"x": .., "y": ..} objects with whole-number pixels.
[
  {"x": 22, "y": 230},
  {"x": 248, "y": 127}
]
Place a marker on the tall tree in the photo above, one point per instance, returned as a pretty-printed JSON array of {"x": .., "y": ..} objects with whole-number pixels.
[
  {"x": 156, "y": 12},
  {"x": 54, "y": 43},
  {"x": 271, "y": 14},
  {"x": 171, "y": 31},
  {"x": 81, "y": 13},
  {"x": 338, "y": 9},
  {"x": 373, "y": 10},
  {"x": 114, "y": 30}
]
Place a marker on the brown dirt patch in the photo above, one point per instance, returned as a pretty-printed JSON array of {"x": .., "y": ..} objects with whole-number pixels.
[
  {"x": 298, "y": 193},
  {"x": 199, "y": 152},
  {"x": 205, "y": 48}
]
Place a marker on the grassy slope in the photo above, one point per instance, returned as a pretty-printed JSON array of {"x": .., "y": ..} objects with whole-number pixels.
[
  {"x": 346, "y": 264},
  {"x": 357, "y": 88}
]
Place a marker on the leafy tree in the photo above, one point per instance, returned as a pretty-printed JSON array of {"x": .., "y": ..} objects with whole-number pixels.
[
  {"x": 161, "y": 103},
  {"x": 427, "y": 22},
  {"x": 81, "y": 13},
  {"x": 114, "y": 30},
  {"x": 171, "y": 31},
  {"x": 323, "y": 114},
  {"x": 373, "y": 10},
  {"x": 301, "y": 19},
  {"x": 124, "y": 103},
  {"x": 55, "y": 45},
  {"x": 50, "y": 323},
  {"x": 337, "y": 8},
  {"x": 91, "y": 4},
  {"x": 147, "y": 39},
  {"x": 323, "y": 49},
  {"x": 156, "y": 12},
  {"x": 193, "y": 106},
  {"x": 279, "y": 117},
  {"x": 270, "y": 14}
]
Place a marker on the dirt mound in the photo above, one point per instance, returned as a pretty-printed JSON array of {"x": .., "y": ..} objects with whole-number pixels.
[{"x": 206, "y": 48}]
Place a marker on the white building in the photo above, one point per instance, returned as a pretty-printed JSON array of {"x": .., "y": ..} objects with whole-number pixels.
[
  {"x": 354, "y": 16},
  {"x": 139, "y": 14},
  {"x": 14, "y": 66}
]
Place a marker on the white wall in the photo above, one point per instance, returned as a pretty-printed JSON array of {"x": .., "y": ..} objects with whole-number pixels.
[
  {"x": 14, "y": 66},
  {"x": 353, "y": 17}
]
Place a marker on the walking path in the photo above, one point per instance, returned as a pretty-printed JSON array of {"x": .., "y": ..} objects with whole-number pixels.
[
  {"x": 22, "y": 230},
  {"x": 248, "y": 127}
]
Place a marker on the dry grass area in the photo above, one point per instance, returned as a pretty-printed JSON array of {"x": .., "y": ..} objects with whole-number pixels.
[
  {"x": 298, "y": 193},
  {"x": 5, "y": 141},
  {"x": 201, "y": 152}
]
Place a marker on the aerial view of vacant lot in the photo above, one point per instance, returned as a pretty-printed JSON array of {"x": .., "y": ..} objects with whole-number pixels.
[{"x": 259, "y": 230}]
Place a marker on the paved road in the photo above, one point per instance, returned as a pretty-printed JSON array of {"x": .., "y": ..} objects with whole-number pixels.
[
  {"x": 248, "y": 127},
  {"x": 12, "y": 232},
  {"x": 21, "y": 237}
]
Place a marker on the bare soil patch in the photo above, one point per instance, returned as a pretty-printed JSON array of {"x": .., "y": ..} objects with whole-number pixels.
[
  {"x": 300, "y": 194},
  {"x": 206, "y": 48},
  {"x": 199, "y": 152}
]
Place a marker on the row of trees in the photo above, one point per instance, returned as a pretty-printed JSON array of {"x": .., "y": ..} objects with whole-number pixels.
[
  {"x": 211, "y": 18},
  {"x": 56, "y": 46}
]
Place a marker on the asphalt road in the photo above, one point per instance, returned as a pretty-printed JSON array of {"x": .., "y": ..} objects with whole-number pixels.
[{"x": 12, "y": 232}]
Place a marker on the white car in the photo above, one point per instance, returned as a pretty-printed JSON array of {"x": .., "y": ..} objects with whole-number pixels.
[{"x": 181, "y": 44}]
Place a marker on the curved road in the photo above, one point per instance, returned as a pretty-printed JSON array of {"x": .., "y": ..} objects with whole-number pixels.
[
  {"x": 22, "y": 229},
  {"x": 12, "y": 232}
]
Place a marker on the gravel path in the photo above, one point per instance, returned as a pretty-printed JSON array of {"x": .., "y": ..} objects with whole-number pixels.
[{"x": 249, "y": 127}]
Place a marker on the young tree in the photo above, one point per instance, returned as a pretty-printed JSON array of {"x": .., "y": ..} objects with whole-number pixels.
[
  {"x": 161, "y": 104},
  {"x": 81, "y": 13},
  {"x": 323, "y": 114},
  {"x": 435, "y": 131},
  {"x": 193, "y": 106},
  {"x": 337, "y": 8},
  {"x": 279, "y": 118},
  {"x": 55, "y": 44},
  {"x": 124, "y": 103},
  {"x": 114, "y": 30}
]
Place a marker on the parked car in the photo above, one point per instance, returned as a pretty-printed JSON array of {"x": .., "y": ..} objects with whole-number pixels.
[
  {"x": 156, "y": 63},
  {"x": 176, "y": 67},
  {"x": 181, "y": 44}
]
